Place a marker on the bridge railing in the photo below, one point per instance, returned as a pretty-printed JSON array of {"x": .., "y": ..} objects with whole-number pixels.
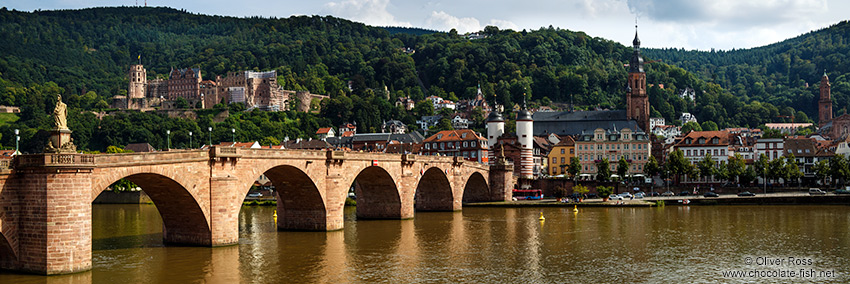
[{"x": 54, "y": 160}]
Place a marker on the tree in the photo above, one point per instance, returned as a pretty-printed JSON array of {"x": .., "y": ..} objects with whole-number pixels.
[
  {"x": 651, "y": 168},
  {"x": 776, "y": 169},
  {"x": 622, "y": 167},
  {"x": 603, "y": 170},
  {"x": 792, "y": 170},
  {"x": 706, "y": 166},
  {"x": 838, "y": 169},
  {"x": 691, "y": 126},
  {"x": 736, "y": 168},
  {"x": 821, "y": 169},
  {"x": 677, "y": 165},
  {"x": 580, "y": 190},
  {"x": 760, "y": 166},
  {"x": 721, "y": 172},
  {"x": 270, "y": 140},
  {"x": 181, "y": 103},
  {"x": 749, "y": 176},
  {"x": 575, "y": 168},
  {"x": 559, "y": 192},
  {"x": 604, "y": 192},
  {"x": 708, "y": 126}
]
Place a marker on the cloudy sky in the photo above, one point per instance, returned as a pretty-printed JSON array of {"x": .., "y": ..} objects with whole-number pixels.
[{"x": 689, "y": 24}]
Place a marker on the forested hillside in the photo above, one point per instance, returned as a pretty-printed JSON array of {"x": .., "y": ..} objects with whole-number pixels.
[
  {"x": 777, "y": 73},
  {"x": 85, "y": 54}
]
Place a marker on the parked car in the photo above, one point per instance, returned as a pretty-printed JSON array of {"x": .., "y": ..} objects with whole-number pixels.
[
  {"x": 842, "y": 191},
  {"x": 653, "y": 193},
  {"x": 615, "y": 197},
  {"x": 591, "y": 195},
  {"x": 816, "y": 191},
  {"x": 746, "y": 193},
  {"x": 626, "y": 195},
  {"x": 668, "y": 193},
  {"x": 255, "y": 194},
  {"x": 640, "y": 195},
  {"x": 684, "y": 193},
  {"x": 710, "y": 194}
]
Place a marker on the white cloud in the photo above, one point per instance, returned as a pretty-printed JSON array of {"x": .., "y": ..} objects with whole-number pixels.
[
  {"x": 504, "y": 24},
  {"x": 370, "y": 12},
  {"x": 443, "y": 21}
]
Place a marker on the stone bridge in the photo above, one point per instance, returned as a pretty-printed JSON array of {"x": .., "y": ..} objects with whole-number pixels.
[{"x": 45, "y": 199}]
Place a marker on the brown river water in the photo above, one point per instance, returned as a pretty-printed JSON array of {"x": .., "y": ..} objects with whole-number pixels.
[{"x": 670, "y": 244}]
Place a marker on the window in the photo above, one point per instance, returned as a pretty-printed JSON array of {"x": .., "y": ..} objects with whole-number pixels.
[
  {"x": 562, "y": 160},
  {"x": 562, "y": 150},
  {"x": 427, "y": 146},
  {"x": 554, "y": 160},
  {"x": 688, "y": 152},
  {"x": 465, "y": 144},
  {"x": 474, "y": 154},
  {"x": 554, "y": 170},
  {"x": 573, "y": 150}
]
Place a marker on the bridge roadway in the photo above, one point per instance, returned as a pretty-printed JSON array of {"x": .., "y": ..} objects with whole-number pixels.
[{"x": 45, "y": 199}]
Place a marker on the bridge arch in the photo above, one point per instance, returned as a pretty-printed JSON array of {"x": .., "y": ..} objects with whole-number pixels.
[
  {"x": 7, "y": 253},
  {"x": 476, "y": 188},
  {"x": 300, "y": 205},
  {"x": 378, "y": 196},
  {"x": 184, "y": 220},
  {"x": 434, "y": 191}
]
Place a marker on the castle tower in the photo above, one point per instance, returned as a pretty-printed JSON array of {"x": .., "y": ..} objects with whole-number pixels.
[
  {"x": 825, "y": 101},
  {"x": 138, "y": 80},
  {"x": 525, "y": 137},
  {"x": 495, "y": 129},
  {"x": 637, "y": 102}
]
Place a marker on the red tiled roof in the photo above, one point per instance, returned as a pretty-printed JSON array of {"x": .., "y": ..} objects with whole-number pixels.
[
  {"x": 454, "y": 135},
  {"x": 323, "y": 130},
  {"x": 708, "y": 135}
]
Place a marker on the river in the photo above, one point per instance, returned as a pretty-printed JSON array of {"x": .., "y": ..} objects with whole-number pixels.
[{"x": 670, "y": 244}]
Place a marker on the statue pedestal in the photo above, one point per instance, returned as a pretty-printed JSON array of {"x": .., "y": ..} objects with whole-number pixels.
[{"x": 60, "y": 142}]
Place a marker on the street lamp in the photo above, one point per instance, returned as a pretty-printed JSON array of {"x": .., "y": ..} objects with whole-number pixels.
[
  {"x": 210, "y": 131},
  {"x": 233, "y": 130},
  {"x": 168, "y": 134},
  {"x": 17, "y": 140},
  {"x": 190, "y": 139}
]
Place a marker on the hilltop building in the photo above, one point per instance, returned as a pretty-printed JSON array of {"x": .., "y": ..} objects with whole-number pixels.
[{"x": 254, "y": 89}]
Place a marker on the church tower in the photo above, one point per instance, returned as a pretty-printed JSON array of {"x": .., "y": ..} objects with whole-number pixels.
[
  {"x": 637, "y": 102},
  {"x": 825, "y": 101}
]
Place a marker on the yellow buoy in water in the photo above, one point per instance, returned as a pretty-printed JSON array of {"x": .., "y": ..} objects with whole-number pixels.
[
  {"x": 575, "y": 208},
  {"x": 275, "y": 216},
  {"x": 541, "y": 217}
]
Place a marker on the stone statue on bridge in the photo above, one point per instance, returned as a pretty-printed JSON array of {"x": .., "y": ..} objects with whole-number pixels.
[
  {"x": 60, "y": 136},
  {"x": 60, "y": 114}
]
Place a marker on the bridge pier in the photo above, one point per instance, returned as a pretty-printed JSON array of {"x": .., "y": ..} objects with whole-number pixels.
[
  {"x": 501, "y": 181},
  {"x": 54, "y": 199}
]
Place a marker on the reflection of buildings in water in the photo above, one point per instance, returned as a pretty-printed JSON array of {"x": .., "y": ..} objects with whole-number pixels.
[
  {"x": 224, "y": 266},
  {"x": 334, "y": 259},
  {"x": 407, "y": 252},
  {"x": 458, "y": 242},
  {"x": 531, "y": 244}
]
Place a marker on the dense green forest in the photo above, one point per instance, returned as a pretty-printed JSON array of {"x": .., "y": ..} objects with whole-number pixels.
[
  {"x": 84, "y": 55},
  {"x": 785, "y": 74}
]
